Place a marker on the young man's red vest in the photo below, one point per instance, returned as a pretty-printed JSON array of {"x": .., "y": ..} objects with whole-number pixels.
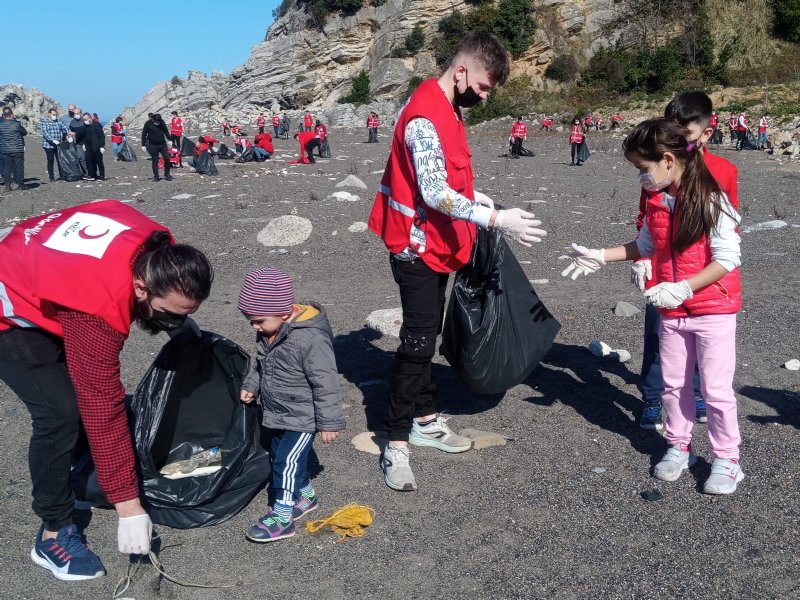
[
  {"x": 398, "y": 204},
  {"x": 719, "y": 298},
  {"x": 713, "y": 121},
  {"x": 176, "y": 126},
  {"x": 575, "y": 135},
  {"x": 276, "y": 120},
  {"x": 519, "y": 130},
  {"x": 78, "y": 258},
  {"x": 743, "y": 125},
  {"x": 116, "y": 133},
  {"x": 762, "y": 125},
  {"x": 261, "y": 121},
  {"x": 308, "y": 120}
]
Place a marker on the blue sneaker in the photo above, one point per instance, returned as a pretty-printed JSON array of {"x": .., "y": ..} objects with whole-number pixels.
[
  {"x": 652, "y": 417},
  {"x": 67, "y": 556},
  {"x": 270, "y": 528},
  {"x": 700, "y": 404},
  {"x": 303, "y": 506}
]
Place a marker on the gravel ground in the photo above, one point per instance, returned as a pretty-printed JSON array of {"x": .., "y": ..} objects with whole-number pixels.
[{"x": 526, "y": 520}]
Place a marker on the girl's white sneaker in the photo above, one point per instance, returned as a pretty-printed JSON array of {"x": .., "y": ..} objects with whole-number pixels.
[
  {"x": 675, "y": 461},
  {"x": 725, "y": 475}
]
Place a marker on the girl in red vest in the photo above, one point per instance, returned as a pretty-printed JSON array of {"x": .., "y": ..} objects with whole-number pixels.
[
  {"x": 176, "y": 129},
  {"x": 690, "y": 229},
  {"x": 576, "y": 134},
  {"x": 117, "y": 136}
]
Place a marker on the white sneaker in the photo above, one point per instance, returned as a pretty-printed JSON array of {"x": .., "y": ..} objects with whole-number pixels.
[
  {"x": 725, "y": 475},
  {"x": 675, "y": 461},
  {"x": 396, "y": 469},
  {"x": 438, "y": 435}
]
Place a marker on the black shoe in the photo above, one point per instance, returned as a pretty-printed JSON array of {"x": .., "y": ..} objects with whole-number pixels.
[
  {"x": 101, "y": 179},
  {"x": 572, "y": 164},
  {"x": 51, "y": 179},
  {"x": 168, "y": 177},
  {"x": 580, "y": 164},
  {"x": 156, "y": 178}
]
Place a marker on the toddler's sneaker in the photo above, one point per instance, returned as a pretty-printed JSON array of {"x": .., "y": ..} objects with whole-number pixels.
[
  {"x": 270, "y": 528},
  {"x": 396, "y": 469},
  {"x": 700, "y": 415},
  {"x": 725, "y": 475},
  {"x": 303, "y": 506},
  {"x": 438, "y": 435},
  {"x": 652, "y": 417},
  {"x": 67, "y": 556},
  {"x": 676, "y": 459}
]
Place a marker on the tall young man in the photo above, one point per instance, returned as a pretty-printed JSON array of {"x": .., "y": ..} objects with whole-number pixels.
[{"x": 427, "y": 213}]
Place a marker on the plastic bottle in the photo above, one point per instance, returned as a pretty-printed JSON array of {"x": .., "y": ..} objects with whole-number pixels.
[{"x": 204, "y": 458}]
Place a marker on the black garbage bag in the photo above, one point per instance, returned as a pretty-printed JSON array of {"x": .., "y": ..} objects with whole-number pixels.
[
  {"x": 205, "y": 165},
  {"x": 716, "y": 137},
  {"x": 225, "y": 152},
  {"x": 496, "y": 330},
  {"x": 69, "y": 159},
  {"x": 749, "y": 142},
  {"x": 247, "y": 156},
  {"x": 583, "y": 151},
  {"x": 526, "y": 152},
  {"x": 126, "y": 153},
  {"x": 325, "y": 149},
  {"x": 188, "y": 401},
  {"x": 187, "y": 147}
]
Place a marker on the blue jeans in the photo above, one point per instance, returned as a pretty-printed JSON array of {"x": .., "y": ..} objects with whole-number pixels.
[
  {"x": 289, "y": 457},
  {"x": 762, "y": 139},
  {"x": 260, "y": 152},
  {"x": 651, "y": 383},
  {"x": 115, "y": 148}
]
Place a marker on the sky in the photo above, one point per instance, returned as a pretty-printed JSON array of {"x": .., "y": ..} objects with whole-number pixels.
[{"x": 104, "y": 55}]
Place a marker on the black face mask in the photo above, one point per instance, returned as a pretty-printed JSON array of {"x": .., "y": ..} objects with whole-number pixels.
[
  {"x": 469, "y": 97},
  {"x": 71, "y": 113},
  {"x": 166, "y": 321}
]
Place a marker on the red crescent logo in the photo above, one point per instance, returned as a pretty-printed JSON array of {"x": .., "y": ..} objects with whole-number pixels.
[{"x": 82, "y": 233}]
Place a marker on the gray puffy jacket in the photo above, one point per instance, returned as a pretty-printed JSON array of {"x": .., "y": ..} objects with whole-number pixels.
[
  {"x": 296, "y": 377},
  {"x": 11, "y": 132}
]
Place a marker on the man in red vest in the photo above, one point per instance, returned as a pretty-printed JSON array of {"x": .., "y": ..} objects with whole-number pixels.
[
  {"x": 308, "y": 121},
  {"x": 763, "y": 125},
  {"x": 72, "y": 282},
  {"x": 616, "y": 119},
  {"x": 176, "y": 130},
  {"x": 519, "y": 132},
  {"x": 276, "y": 124},
  {"x": 261, "y": 122},
  {"x": 741, "y": 129},
  {"x": 427, "y": 213}
]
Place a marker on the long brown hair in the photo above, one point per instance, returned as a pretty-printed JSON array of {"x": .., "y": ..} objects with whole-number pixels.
[{"x": 699, "y": 198}]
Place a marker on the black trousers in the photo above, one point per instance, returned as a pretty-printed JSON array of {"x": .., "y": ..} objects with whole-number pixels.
[
  {"x": 412, "y": 392},
  {"x": 52, "y": 156},
  {"x": 33, "y": 365},
  {"x": 176, "y": 141},
  {"x": 94, "y": 164},
  {"x": 575, "y": 147},
  {"x": 260, "y": 130},
  {"x": 516, "y": 147},
  {"x": 310, "y": 145},
  {"x": 14, "y": 168},
  {"x": 741, "y": 136},
  {"x": 154, "y": 152}
]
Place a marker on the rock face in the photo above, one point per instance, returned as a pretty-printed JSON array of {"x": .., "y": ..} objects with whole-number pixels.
[
  {"x": 298, "y": 67},
  {"x": 29, "y": 104}
]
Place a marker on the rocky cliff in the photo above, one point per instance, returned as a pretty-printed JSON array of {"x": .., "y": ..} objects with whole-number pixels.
[
  {"x": 29, "y": 104},
  {"x": 298, "y": 67}
]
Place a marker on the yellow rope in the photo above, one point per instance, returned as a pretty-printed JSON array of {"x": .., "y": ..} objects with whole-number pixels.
[{"x": 348, "y": 521}]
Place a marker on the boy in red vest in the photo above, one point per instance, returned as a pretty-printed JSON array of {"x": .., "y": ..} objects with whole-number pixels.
[
  {"x": 74, "y": 282},
  {"x": 261, "y": 122},
  {"x": 427, "y": 213},
  {"x": 763, "y": 125},
  {"x": 693, "y": 111},
  {"x": 741, "y": 129},
  {"x": 519, "y": 132},
  {"x": 276, "y": 124},
  {"x": 176, "y": 130},
  {"x": 308, "y": 121},
  {"x": 616, "y": 120}
]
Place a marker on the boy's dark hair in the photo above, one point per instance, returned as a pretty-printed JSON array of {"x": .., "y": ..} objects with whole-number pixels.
[
  {"x": 165, "y": 267},
  {"x": 689, "y": 107},
  {"x": 7, "y": 112},
  {"x": 489, "y": 50}
]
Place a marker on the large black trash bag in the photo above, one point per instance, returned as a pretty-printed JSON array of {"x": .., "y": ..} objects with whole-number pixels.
[
  {"x": 526, "y": 152},
  {"x": 70, "y": 163},
  {"x": 247, "y": 155},
  {"x": 749, "y": 142},
  {"x": 325, "y": 149},
  {"x": 225, "y": 152},
  {"x": 126, "y": 153},
  {"x": 497, "y": 330},
  {"x": 187, "y": 146},
  {"x": 583, "y": 151},
  {"x": 205, "y": 165},
  {"x": 189, "y": 401}
]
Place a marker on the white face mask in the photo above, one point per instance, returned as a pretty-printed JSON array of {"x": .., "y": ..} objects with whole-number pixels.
[
  {"x": 87, "y": 121},
  {"x": 53, "y": 117},
  {"x": 648, "y": 182}
]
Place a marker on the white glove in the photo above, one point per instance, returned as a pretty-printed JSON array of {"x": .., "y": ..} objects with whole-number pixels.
[
  {"x": 641, "y": 271},
  {"x": 83, "y": 147},
  {"x": 134, "y": 533},
  {"x": 102, "y": 150},
  {"x": 584, "y": 261},
  {"x": 669, "y": 295},
  {"x": 481, "y": 198},
  {"x": 144, "y": 149},
  {"x": 54, "y": 142},
  {"x": 520, "y": 225}
]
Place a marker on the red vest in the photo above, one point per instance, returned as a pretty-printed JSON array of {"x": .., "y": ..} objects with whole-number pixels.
[
  {"x": 264, "y": 141},
  {"x": 176, "y": 126},
  {"x": 732, "y": 122},
  {"x": 398, "y": 204},
  {"x": 587, "y": 121},
  {"x": 372, "y": 122},
  {"x": 616, "y": 118},
  {"x": 116, "y": 133},
  {"x": 78, "y": 258},
  {"x": 741, "y": 123},
  {"x": 261, "y": 121},
  {"x": 575, "y": 135},
  {"x": 308, "y": 120},
  {"x": 276, "y": 120},
  {"x": 547, "y": 123},
  {"x": 762, "y": 125},
  {"x": 720, "y": 298},
  {"x": 713, "y": 121},
  {"x": 519, "y": 130},
  {"x": 321, "y": 132}
]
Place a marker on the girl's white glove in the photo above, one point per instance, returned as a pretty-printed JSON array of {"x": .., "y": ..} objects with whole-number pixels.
[
  {"x": 482, "y": 198},
  {"x": 134, "y": 534},
  {"x": 669, "y": 295},
  {"x": 520, "y": 225},
  {"x": 641, "y": 272},
  {"x": 583, "y": 261}
]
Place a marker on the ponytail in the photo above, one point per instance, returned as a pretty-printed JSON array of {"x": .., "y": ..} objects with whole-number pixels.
[{"x": 165, "y": 267}]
